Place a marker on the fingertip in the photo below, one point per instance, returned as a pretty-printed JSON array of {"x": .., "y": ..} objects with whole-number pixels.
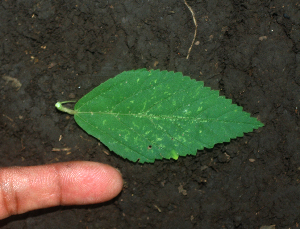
[
  {"x": 114, "y": 181},
  {"x": 90, "y": 182}
]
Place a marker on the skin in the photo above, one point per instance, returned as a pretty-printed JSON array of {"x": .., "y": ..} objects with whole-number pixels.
[{"x": 24, "y": 189}]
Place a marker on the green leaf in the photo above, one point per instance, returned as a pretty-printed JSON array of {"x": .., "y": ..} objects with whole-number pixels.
[{"x": 147, "y": 115}]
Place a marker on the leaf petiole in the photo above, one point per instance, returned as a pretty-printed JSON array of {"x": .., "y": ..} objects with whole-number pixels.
[{"x": 60, "y": 107}]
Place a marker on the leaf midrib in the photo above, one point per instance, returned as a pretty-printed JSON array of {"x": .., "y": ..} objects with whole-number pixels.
[{"x": 172, "y": 118}]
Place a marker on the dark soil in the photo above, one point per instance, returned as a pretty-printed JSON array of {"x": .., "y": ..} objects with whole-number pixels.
[{"x": 248, "y": 49}]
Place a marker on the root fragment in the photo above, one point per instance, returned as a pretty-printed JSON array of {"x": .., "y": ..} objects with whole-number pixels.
[{"x": 196, "y": 26}]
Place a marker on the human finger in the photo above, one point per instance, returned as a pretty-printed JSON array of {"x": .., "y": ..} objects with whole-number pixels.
[{"x": 70, "y": 183}]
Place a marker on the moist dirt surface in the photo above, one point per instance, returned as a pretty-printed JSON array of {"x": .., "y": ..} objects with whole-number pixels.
[{"x": 248, "y": 50}]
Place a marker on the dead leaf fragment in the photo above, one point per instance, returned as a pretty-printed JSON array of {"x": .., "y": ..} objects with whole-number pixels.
[
  {"x": 262, "y": 38},
  {"x": 52, "y": 64},
  {"x": 155, "y": 63},
  {"x": 181, "y": 190},
  {"x": 268, "y": 227},
  {"x": 15, "y": 83}
]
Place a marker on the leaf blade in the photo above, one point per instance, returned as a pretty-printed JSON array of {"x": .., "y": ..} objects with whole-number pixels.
[{"x": 146, "y": 115}]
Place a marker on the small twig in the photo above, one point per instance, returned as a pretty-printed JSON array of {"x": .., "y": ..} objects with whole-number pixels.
[
  {"x": 61, "y": 149},
  {"x": 196, "y": 26}
]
